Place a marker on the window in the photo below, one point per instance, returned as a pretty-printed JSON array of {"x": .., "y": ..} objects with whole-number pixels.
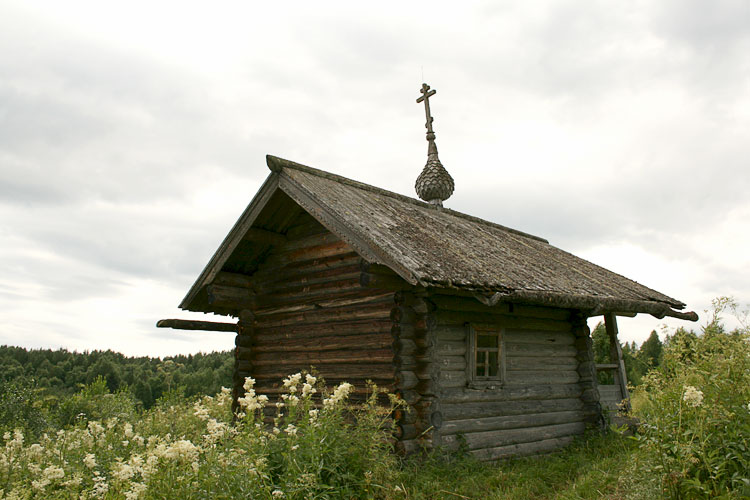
[{"x": 486, "y": 363}]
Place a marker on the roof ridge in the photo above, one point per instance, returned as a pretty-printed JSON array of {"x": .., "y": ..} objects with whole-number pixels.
[{"x": 276, "y": 164}]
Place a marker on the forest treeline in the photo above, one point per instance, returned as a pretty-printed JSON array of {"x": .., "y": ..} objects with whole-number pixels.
[{"x": 60, "y": 373}]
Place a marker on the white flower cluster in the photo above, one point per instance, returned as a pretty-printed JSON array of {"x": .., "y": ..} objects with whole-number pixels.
[
  {"x": 251, "y": 402},
  {"x": 692, "y": 396},
  {"x": 340, "y": 393}
]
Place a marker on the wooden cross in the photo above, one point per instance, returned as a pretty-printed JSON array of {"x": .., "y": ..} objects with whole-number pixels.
[{"x": 426, "y": 94}]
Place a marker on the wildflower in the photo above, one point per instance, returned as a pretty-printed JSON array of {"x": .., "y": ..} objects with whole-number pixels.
[
  {"x": 692, "y": 396},
  {"x": 111, "y": 423},
  {"x": 100, "y": 485},
  {"x": 249, "y": 384},
  {"x": 308, "y": 389},
  {"x": 339, "y": 394},
  {"x": 313, "y": 415},
  {"x": 291, "y": 430},
  {"x": 310, "y": 379},
  {"x": 200, "y": 411},
  {"x": 36, "y": 450},
  {"x": 276, "y": 431},
  {"x": 122, "y": 471},
  {"x": 89, "y": 460},
  {"x": 292, "y": 381},
  {"x": 277, "y": 493},
  {"x": 95, "y": 428},
  {"x": 224, "y": 397},
  {"x": 136, "y": 491}
]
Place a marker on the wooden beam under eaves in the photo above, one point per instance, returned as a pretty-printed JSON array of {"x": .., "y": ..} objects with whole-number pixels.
[{"x": 187, "y": 324}]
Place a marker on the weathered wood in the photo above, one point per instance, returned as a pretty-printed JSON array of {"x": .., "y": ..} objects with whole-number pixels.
[
  {"x": 457, "y": 318},
  {"x": 552, "y": 364},
  {"x": 406, "y": 380},
  {"x": 505, "y": 437},
  {"x": 297, "y": 269},
  {"x": 310, "y": 253},
  {"x": 319, "y": 358},
  {"x": 347, "y": 313},
  {"x": 455, "y": 303},
  {"x": 321, "y": 344},
  {"x": 230, "y": 297},
  {"x": 274, "y": 335},
  {"x": 268, "y": 304},
  {"x": 233, "y": 279},
  {"x": 264, "y": 237},
  {"x": 243, "y": 341},
  {"x": 615, "y": 354},
  {"x": 534, "y": 350},
  {"x": 542, "y": 377},
  {"x": 404, "y": 347},
  {"x": 518, "y": 336},
  {"x": 186, "y": 324},
  {"x": 450, "y": 348},
  {"x": 409, "y": 396},
  {"x": 528, "y": 392},
  {"x": 383, "y": 281},
  {"x": 521, "y": 449},
  {"x": 449, "y": 379},
  {"x": 452, "y": 363},
  {"x": 351, "y": 370},
  {"x": 405, "y": 431},
  {"x": 510, "y": 422},
  {"x": 286, "y": 280},
  {"x": 403, "y": 315}
]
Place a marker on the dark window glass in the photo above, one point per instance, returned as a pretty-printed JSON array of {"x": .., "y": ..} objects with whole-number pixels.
[
  {"x": 487, "y": 341},
  {"x": 493, "y": 364},
  {"x": 481, "y": 361}
]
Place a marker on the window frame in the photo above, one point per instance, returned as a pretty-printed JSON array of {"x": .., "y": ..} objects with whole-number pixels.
[{"x": 473, "y": 330}]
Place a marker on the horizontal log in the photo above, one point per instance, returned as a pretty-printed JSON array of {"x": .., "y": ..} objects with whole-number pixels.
[
  {"x": 322, "y": 358},
  {"x": 541, "y": 377},
  {"x": 451, "y": 363},
  {"x": 403, "y": 315},
  {"x": 451, "y": 333},
  {"x": 443, "y": 348},
  {"x": 452, "y": 379},
  {"x": 466, "y": 426},
  {"x": 458, "y": 318},
  {"x": 552, "y": 364},
  {"x": 528, "y": 392},
  {"x": 455, "y": 303},
  {"x": 405, "y": 415},
  {"x": 330, "y": 343},
  {"x": 463, "y": 411},
  {"x": 409, "y": 446},
  {"x": 299, "y": 269},
  {"x": 317, "y": 299},
  {"x": 539, "y": 350},
  {"x": 407, "y": 363},
  {"x": 522, "y": 449},
  {"x": 344, "y": 313},
  {"x": 284, "y": 280},
  {"x": 274, "y": 386},
  {"x": 275, "y": 334},
  {"x": 309, "y": 253},
  {"x": 317, "y": 238},
  {"x": 493, "y": 439},
  {"x": 340, "y": 371},
  {"x": 538, "y": 337},
  {"x": 230, "y": 297},
  {"x": 187, "y": 324}
]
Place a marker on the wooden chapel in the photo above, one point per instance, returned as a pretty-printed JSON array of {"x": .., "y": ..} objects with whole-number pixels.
[{"x": 480, "y": 328}]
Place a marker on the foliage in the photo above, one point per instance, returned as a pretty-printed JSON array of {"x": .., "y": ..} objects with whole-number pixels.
[
  {"x": 20, "y": 408},
  {"x": 638, "y": 360},
  {"x": 319, "y": 446},
  {"x": 696, "y": 406},
  {"x": 60, "y": 373}
]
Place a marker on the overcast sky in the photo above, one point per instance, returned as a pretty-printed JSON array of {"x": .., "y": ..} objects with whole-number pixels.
[{"x": 133, "y": 134}]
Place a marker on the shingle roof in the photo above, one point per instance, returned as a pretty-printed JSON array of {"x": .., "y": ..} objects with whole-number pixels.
[{"x": 442, "y": 248}]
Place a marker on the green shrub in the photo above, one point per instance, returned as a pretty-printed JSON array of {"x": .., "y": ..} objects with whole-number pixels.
[
  {"x": 20, "y": 408},
  {"x": 96, "y": 402},
  {"x": 696, "y": 409}
]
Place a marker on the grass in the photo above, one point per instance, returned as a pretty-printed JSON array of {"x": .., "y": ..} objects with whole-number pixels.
[{"x": 595, "y": 466}]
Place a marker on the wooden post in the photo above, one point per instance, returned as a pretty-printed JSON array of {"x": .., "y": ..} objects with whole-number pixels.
[{"x": 615, "y": 356}]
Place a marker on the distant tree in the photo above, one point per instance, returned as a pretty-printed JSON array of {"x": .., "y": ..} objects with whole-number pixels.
[{"x": 650, "y": 351}]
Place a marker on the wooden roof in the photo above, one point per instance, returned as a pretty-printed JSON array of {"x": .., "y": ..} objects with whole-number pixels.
[{"x": 436, "y": 247}]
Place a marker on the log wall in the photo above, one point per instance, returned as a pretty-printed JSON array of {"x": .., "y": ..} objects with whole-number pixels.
[
  {"x": 310, "y": 310},
  {"x": 546, "y": 397}
]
